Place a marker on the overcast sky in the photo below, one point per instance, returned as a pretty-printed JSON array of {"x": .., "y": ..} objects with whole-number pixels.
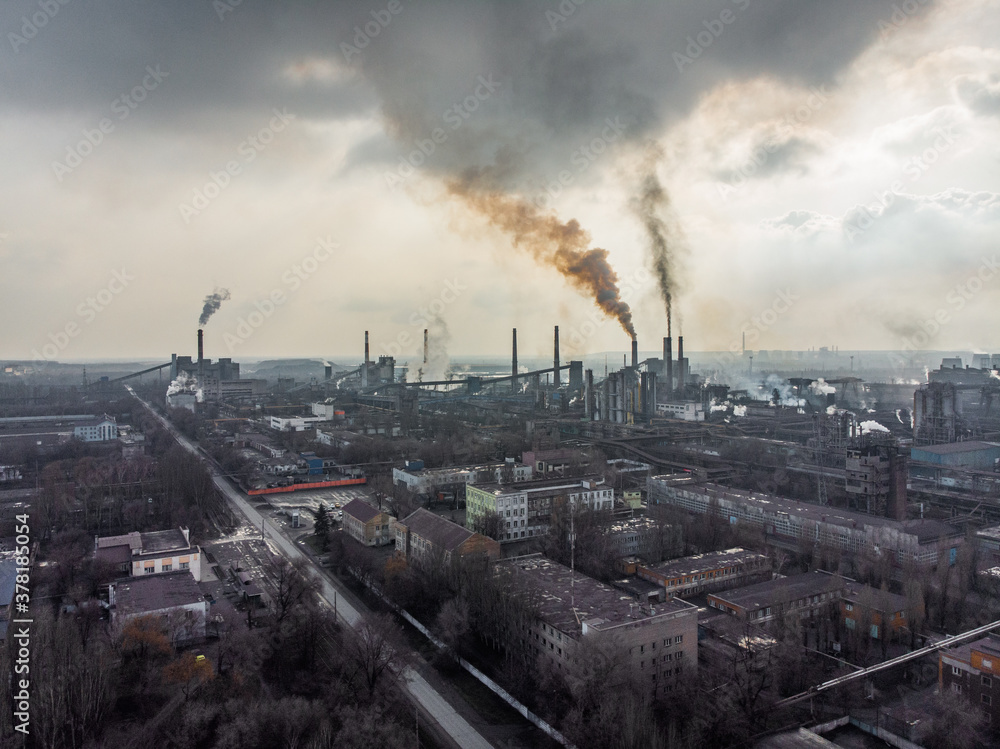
[{"x": 831, "y": 172}]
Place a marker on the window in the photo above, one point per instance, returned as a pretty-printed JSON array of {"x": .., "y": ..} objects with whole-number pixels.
[
  {"x": 956, "y": 688},
  {"x": 956, "y": 671},
  {"x": 680, "y": 654},
  {"x": 987, "y": 663},
  {"x": 987, "y": 681},
  {"x": 149, "y": 570},
  {"x": 985, "y": 699},
  {"x": 849, "y": 623},
  {"x": 679, "y": 638},
  {"x": 166, "y": 568}
]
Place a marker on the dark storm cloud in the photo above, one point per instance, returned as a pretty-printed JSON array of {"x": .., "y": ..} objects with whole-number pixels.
[{"x": 558, "y": 79}]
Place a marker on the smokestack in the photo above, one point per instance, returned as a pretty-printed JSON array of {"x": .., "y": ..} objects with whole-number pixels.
[
  {"x": 328, "y": 372},
  {"x": 425, "y": 347},
  {"x": 680, "y": 362},
  {"x": 555, "y": 358},
  {"x": 201, "y": 345},
  {"x": 513, "y": 360},
  {"x": 366, "y": 348},
  {"x": 668, "y": 358},
  {"x": 635, "y": 354}
]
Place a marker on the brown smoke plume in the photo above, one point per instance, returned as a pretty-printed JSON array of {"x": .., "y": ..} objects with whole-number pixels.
[
  {"x": 563, "y": 246},
  {"x": 651, "y": 204}
]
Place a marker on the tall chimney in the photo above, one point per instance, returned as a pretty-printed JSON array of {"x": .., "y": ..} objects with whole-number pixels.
[
  {"x": 513, "y": 360},
  {"x": 201, "y": 345},
  {"x": 425, "y": 347},
  {"x": 366, "y": 348},
  {"x": 680, "y": 362},
  {"x": 635, "y": 354},
  {"x": 668, "y": 360},
  {"x": 555, "y": 359}
]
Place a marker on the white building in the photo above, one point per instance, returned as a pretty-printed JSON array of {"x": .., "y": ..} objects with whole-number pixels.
[
  {"x": 102, "y": 429},
  {"x": 526, "y": 507},
  {"x": 295, "y": 423},
  {"x": 688, "y": 411},
  {"x": 151, "y": 553},
  {"x": 429, "y": 480}
]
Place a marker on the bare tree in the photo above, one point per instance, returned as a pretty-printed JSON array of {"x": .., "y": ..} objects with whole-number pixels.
[
  {"x": 293, "y": 584},
  {"x": 373, "y": 650}
]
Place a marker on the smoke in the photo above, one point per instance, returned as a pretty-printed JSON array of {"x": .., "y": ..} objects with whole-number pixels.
[
  {"x": 563, "y": 246},
  {"x": 652, "y": 206},
  {"x": 212, "y": 303},
  {"x": 438, "y": 365},
  {"x": 872, "y": 426},
  {"x": 821, "y": 387},
  {"x": 185, "y": 384}
]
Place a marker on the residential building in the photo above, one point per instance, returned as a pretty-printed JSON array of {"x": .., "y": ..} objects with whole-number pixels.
[
  {"x": 791, "y": 523},
  {"x": 526, "y": 507},
  {"x": 151, "y": 553},
  {"x": 882, "y": 612},
  {"x": 972, "y": 670},
  {"x": 804, "y": 596},
  {"x": 101, "y": 429},
  {"x": 366, "y": 524},
  {"x": 712, "y": 571},
  {"x": 659, "y": 642},
  {"x": 174, "y": 598},
  {"x": 426, "y": 539}
]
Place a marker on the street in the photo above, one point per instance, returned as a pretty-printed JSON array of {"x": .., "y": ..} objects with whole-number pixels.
[{"x": 421, "y": 692}]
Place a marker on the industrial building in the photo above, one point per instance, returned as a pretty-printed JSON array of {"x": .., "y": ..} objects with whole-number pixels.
[
  {"x": 803, "y": 596},
  {"x": 790, "y": 523},
  {"x": 982, "y": 456},
  {"x": 526, "y": 507},
  {"x": 429, "y": 481},
  {"x": 645, "y": 538},
  {"x": 103, "y": 428},
  {"x": 876, "y": 477},
  {"x": 659, "y": 642},
  {"x": 714, "y": 570}
]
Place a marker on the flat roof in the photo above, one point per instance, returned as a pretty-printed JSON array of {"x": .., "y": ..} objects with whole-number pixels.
[
  {"x": 924, "y": 530},
  {"x": 570, "y": 482},
  {"x": 139, "y": 595},
  {"x": 159, "y": 541},
  {"x": 711, "y": 560},
  {"x": 956, "y": 447},
  {"x": 568, "y": 598},
  {"x": 782, "y": 589}
]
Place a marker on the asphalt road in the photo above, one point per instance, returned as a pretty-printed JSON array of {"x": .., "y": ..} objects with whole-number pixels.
[{"x": 421, "y": 692}]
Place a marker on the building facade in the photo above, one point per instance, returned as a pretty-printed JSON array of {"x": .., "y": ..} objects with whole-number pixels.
[
  {"x": 973, "y": 671},
  {"x": 366, "y": 524},
  {"x": 659, "y": 643},
  {"x": 151, "y": 553},
  {"x": 102, "y": 429},
  {"x": 804, "y": 596},
  {"x": 792, "y": 523},
  {"x": 716, "y": 570},
  {"x": 427, "y": 540},
  {"x": 427, "y": 481},
  {"x": 526, "y": 508}
]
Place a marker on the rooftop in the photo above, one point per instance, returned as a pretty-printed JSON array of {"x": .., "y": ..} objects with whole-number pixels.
[
  {"x": 881, "y": 600},
  {"x": 537, "y": 485},
  {"x": 358, "y": 508},
  {"x": 711, "y": 560},
  {"x": 160, "y": 541},
  {"x": 990, "y": 645},
  {"x": 924, "y": 530},
  {"x": 957, "y": 447},
  {"x": 567, "y": 599},
  {"x": 436, "y": 529},
  {"x": 781, "y": 590},
  {"x": 140, "y": 595}
]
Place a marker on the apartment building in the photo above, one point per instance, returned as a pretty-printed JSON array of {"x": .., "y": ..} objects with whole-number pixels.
[{"x": 426, "y": 539}]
